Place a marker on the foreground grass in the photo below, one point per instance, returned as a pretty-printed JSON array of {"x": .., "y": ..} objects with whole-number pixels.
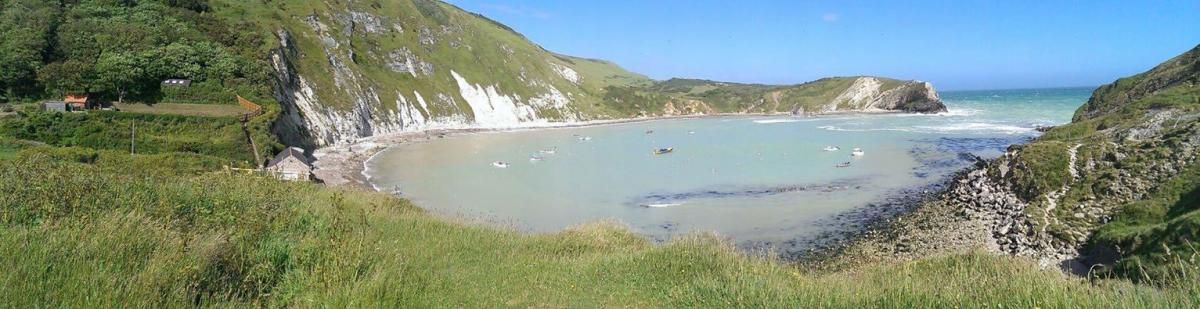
[{"x": 79, "y": 235}]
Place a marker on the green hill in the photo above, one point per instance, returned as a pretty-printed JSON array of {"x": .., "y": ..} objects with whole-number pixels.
[{"x": 355, "y": 69}]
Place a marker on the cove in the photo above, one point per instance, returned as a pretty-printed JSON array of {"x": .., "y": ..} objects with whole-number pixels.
[{"x": 763, "y": 180}]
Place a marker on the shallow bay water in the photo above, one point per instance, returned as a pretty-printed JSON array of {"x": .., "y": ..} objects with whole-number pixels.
[{"x": 763, "y": 180}]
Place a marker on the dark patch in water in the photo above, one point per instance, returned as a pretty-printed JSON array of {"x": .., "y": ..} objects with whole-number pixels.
[
  {"x": 937, "y": 158},
  {"x": 667, "y": 198},
  {"x": 848, "y": 224},
  {"x": 947, "y": 154},
  {"x": 977, "y": 145}
]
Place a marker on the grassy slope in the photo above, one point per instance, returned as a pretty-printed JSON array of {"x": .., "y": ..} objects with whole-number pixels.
[
  {"x": 212, "y": 239},
  {"x": 186, "y": 109},
  {"x": 735, "y": 97},
  {"x": 463, "y": 41},
  {"x": 221, "y": 137}
]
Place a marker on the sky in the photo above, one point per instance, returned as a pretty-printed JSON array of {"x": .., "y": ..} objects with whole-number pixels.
[{"x": 956, "y": 45}]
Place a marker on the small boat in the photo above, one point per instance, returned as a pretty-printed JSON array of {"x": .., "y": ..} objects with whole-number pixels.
[
  {"x": 548, "y": 151},
  {"x": 535, "y": 159},
  {"x": 832, "y": 148},
  {"x": 664, "y": 150},
  {"x": 691, "y": 132},
  {"x": 585, "y": 138},
  {"x": 843, "y": 164},
  {"x": 858, "y": 152},
  {"x": 649, "y": 131},
  {"x": 500, "y": 164}
]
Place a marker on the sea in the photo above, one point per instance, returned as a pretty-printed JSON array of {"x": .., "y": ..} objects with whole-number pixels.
[{"x": 759, "y": 181}]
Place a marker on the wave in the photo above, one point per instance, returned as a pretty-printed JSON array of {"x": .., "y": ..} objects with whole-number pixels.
[
  {"x": 968, "y": 127},
  {"x": 959, "y": 112},
  {"x": 951, "y": 112},
  {"x": 834, "y": 128},
  {"x": 767, "y": 121},
  {"x": 978, "y": 126}
]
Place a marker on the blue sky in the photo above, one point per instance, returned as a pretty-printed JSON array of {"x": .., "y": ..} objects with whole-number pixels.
[{"x": 956, "y": 45}]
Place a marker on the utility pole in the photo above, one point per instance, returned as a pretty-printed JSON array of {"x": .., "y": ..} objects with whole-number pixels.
[{"x": 132, "y": 133}]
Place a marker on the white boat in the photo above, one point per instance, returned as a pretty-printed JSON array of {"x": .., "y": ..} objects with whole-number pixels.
[
  {"x": 832, "y": 148},
  {"x": 858, "y": 152},
  {"x": 548, "y": 151},
  {"x": 500, "y": 164},
  {"x": 664, "y": 150},
  {"x": 843, "y": 164},
  {"x": 535, "y": 159},
  {"x": 585, "y": 138}
]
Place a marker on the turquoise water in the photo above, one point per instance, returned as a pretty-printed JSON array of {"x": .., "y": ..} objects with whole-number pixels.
[{"x": 762, "y": 180}]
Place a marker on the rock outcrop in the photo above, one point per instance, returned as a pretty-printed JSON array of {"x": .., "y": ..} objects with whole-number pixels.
[
  {"x": 912, "y": 97},
  {"x": 869, "y": 95}
]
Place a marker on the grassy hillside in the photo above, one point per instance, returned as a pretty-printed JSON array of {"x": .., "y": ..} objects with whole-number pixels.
[
  {"x": 1142, "y": 135},
  {"x": 173, "y": 240},
  {"x": 217, "y": 137},
  {"x": 1116, "y": 188},
  {"x": 370, "y": 45}
]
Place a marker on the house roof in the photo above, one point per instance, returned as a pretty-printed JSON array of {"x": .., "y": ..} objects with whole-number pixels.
[
  {"x": 176, "y": 82},
  {"x": 76, "y": 98},
  {"x": 290, "y": 152}
]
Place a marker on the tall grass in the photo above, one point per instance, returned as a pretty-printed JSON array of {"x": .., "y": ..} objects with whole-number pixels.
[
  {"x": 75, "y": 234},
  {"x": 150, "y": 133}
]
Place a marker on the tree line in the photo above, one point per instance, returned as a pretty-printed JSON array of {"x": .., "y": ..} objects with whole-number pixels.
[{"x": 123, "y": 49}]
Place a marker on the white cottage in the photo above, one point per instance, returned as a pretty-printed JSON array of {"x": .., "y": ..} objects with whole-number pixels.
[{"x": 291, "y": 164}]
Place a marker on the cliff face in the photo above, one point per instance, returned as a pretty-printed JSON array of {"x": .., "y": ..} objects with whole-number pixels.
[{"x": 350, "y": 69}]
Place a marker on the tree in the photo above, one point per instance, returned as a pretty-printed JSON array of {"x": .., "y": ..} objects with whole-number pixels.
[
  {"x": 25, "y": 26},
  {"x": 119, "y": 72},
  {"x": 67, "y": 76},
  {"x": 19, "y": 60}
]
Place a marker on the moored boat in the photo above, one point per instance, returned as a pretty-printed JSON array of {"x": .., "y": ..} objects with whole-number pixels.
[
  {"x": 664, "y": 150},
  {"x": 832, "y": 148},
  {"x": 858, "y": 152},
  {"x": 500, "y": 164}
]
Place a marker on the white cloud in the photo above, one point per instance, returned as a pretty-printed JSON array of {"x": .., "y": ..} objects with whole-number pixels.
[{"x": 831, "y": 17}]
